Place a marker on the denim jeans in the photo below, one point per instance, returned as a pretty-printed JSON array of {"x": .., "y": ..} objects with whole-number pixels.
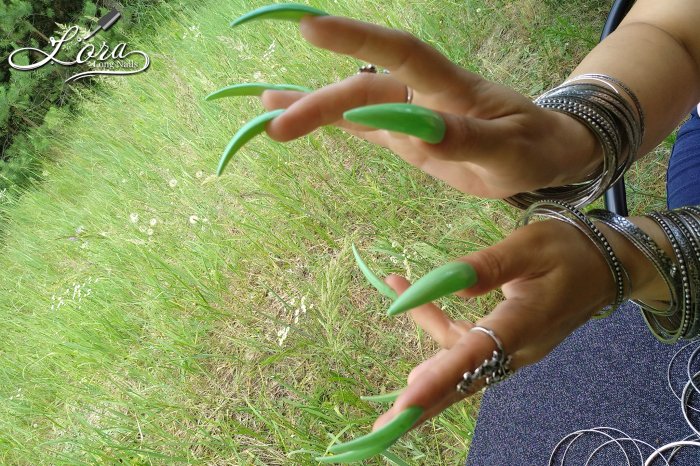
[{"x": 609, "y": 372}]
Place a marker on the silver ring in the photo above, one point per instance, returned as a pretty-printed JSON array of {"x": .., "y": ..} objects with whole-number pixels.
[
  {"x": 370, "y": 68},
  {"x": 490, "y": 333},
  {"x": 492, "y": 371}
]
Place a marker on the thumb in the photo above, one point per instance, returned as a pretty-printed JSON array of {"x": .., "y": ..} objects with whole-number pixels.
[{"x": 505, "y": 261}]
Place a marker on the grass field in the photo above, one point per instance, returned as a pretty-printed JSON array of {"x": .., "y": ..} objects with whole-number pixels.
[{"x": 154, "y": 314}]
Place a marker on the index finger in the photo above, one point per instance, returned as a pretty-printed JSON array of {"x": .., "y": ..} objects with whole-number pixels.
[{"x": 409, "y": 59}]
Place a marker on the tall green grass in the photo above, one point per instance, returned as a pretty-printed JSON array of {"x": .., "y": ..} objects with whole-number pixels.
[{"x": 154, "y": 314}]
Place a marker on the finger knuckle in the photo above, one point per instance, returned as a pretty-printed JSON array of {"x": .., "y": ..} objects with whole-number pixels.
[{"x": 490, "y": 261}]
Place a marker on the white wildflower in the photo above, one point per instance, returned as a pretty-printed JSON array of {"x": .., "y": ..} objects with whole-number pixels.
[
  {"x": 270, "y": 50},
  {"x": 80, "y": 230},
  {"x": 199, "y": 174},
  {"x": 194, "y": 219},
  {"x": 149, "y": 232},
  {"x": 134, "y": 218},
  {"x": 257, "y": 75},
  {"x": 153, "y": 222},
  {"x": 172, "y": 183},
  {"x": 407, "y": 265},
  {"x": 282, "y": 334}
]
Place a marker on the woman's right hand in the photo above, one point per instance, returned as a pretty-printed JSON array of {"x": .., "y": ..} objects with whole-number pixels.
[{"x": 497, "y": 142}]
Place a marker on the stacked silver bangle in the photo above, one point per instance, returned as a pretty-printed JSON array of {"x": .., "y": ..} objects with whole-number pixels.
[
  {"x": 614, "y": 115},
  {"x": 681, "y": 319},
  {"x": 567, "y": 213}
]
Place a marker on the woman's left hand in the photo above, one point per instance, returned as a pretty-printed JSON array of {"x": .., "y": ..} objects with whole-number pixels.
[{"x": 553, "y": 279}]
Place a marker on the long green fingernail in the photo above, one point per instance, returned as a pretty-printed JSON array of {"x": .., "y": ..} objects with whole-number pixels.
[
  {"x": 245, "y": 134},
  {"x": 403, "y": 118},
  {"x": 375, "y": 281},
  {"x": 389, "y": 433},
  {"x": 285, "y": 11},
  {"x": 440, "y": 282},
  {"x": 356, "y": 455},
  {"x": 253, "y": 89},
  {"x": 388, "y": 397}
]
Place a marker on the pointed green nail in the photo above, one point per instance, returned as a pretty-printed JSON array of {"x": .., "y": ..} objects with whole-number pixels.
[
  {"x": 356, "y": 455},
  {"x": 402, "y": 118},
  {"x": 253, "y": 89},
  {"x": 245, "y": 134},
  {"x": 285, "y": 11},
  {"x": 440, "y": 282},
  {"x": 387, "y": 434},
  {"x": 375, "y": 281},
  {"x": 388, "y": 397}
]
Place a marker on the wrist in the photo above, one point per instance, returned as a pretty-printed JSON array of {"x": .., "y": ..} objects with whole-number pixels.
[
  {"x": 645, "y": 282},
  {"x": 584, "y": 152}
]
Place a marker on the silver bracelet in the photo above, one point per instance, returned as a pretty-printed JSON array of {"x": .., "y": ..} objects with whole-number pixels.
[
  {"x": 643, "y": 242},
  {"x": 564, "y": 212},
  {"x": 670, "y": 329},
  {"x": 617, "y": 125}
]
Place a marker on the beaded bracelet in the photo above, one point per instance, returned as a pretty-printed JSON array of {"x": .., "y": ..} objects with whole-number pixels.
[
  {"x": 617, "y": 125},
  {"x": 643, "y": 242}
]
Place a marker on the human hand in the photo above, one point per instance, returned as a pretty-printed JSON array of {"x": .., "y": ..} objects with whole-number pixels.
[
  {"x": 497, "y": 142},
  {"x": 553, "y": 279}
]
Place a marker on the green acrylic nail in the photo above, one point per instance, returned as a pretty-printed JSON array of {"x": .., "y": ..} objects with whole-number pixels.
[
  {"x": 284, "y": 11},
  {"x": 245, "y": 134},
  {"x": 253, "y": 89},
  {"x": 356, "y": 455},
  {"x": 389, "y": 433},
  {"x": 440, "y": 282},
  {"x": 388, "y": 397},
  {"x": 403, "y": 118},
  {"x": 375, "y": 281}
]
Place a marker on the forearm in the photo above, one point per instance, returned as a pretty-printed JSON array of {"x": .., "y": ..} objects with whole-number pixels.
[{"x": 656, "y": 53}]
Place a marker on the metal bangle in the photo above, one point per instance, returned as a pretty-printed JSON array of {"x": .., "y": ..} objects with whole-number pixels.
[
  {"x": 677, "y": 324},
  {"x": 646, "y": 245},
  {"x": 617, "y": 124},
  {"x": 623, "y": 86},
  {"x": 692, "y": 256}
]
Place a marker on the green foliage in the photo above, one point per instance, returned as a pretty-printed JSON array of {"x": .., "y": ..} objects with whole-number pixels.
[
  {"x": 27, "y": 97},
  {"x": 154, "y": 314}
]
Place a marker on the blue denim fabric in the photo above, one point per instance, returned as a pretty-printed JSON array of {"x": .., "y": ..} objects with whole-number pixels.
[
  {"x": 609, "y": 372},
  {"x": 683, "y": 174}
]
